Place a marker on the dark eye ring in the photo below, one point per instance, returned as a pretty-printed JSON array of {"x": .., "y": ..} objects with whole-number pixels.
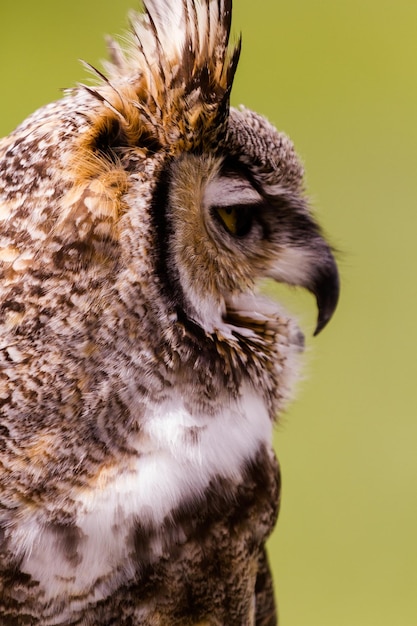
[{"x": 237, "y": 219}]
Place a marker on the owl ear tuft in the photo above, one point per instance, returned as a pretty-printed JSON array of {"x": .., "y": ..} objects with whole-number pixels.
[{"x": 180, "y": 70}]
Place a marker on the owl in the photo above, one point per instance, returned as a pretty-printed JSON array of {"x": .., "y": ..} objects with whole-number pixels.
[{"x": 141, "y": 371}]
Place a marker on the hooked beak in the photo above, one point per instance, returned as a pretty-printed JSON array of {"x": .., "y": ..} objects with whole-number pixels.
[
  {"x": 314, "y": 268},
  {"x": 325, "y": 286}
]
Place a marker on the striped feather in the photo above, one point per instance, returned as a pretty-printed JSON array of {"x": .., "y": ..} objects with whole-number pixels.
[{"x": 176, "y": 74}]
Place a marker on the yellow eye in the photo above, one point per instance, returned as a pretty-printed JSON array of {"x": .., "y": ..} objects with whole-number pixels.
[
  {"x": 228, "y": 216},
  {"x": 237, "y": 219}
]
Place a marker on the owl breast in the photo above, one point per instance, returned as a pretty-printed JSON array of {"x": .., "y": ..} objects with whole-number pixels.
[{"x": 178, "y": 456}]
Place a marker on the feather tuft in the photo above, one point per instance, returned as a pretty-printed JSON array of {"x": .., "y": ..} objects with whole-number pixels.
[{"x": 176, "y": 74}]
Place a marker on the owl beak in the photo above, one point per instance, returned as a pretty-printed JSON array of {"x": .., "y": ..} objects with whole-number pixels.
[
  {"x": 314, "y": 268},
  {"x": 325, "y": 286}
]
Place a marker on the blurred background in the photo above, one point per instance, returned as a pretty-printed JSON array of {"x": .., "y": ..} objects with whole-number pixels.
[{"x": 341, "y": 79}]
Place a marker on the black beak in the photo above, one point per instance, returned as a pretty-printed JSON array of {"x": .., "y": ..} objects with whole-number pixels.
[
  {"x": 325, "y": 286},
  {"x": 306, "y": 260}
]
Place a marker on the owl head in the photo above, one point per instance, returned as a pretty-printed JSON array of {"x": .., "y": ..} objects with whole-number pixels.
[{"x": 228, "y": 202}]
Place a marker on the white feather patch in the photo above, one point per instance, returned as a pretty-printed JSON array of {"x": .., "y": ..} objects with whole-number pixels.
[
  {"x": 169, "y": 19},
  {"x": 222, "y": 191},
  {"x": 294, "y": 266},
  {"x": 171, "y": 466}
]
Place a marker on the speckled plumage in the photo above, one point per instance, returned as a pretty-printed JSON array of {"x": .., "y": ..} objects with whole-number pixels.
[{"x": 140, "y": 373}]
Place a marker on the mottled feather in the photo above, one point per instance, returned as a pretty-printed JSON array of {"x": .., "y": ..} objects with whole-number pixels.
[{"x": 140, "y": 370}]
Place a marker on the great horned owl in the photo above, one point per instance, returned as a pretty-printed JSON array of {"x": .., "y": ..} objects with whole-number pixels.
[{"x": 141, "y": 372}]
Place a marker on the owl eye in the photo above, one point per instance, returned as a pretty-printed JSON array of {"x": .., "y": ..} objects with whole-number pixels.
[{"x": 237, "y": 220}]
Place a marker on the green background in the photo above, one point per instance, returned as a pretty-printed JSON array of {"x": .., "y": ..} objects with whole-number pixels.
[{"x": 340, "y": 77}]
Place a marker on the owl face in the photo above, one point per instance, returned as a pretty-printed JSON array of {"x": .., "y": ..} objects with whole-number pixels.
[{"x": 236, "y": 216}]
